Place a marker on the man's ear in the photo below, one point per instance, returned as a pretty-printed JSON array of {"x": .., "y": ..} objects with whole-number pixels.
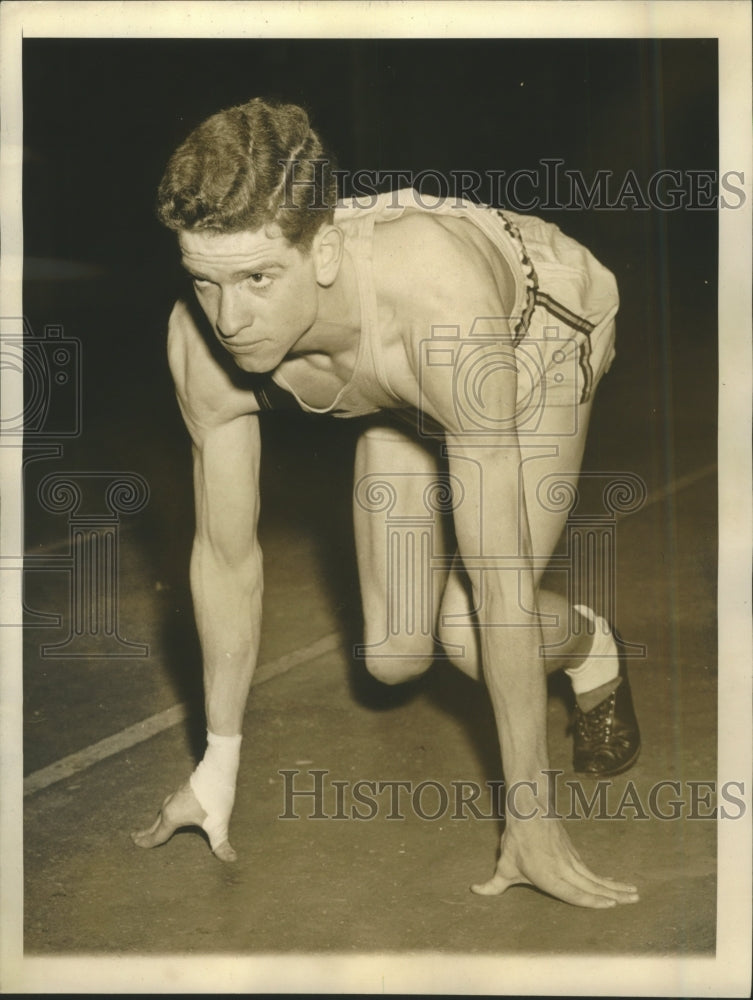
[{"x": 327, "y": 251}]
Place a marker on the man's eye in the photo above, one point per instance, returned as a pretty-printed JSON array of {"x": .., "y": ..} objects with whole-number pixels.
[
  {"x": 259, "y": 280},
  {"x": 201, "y": 282}
]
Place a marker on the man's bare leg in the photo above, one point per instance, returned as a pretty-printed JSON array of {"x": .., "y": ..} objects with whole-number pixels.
[
  {"x": 393, "y": 458},
  {"x": 594, "y": 677},
  {"x": 395, "y": 470},
  {"x": 457, "y": 630}
]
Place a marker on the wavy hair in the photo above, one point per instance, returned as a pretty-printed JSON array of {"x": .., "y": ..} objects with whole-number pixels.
[{"x": 248, "y": 167}]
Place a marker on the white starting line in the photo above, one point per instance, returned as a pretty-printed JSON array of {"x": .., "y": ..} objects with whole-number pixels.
[{"x": 66, "y": 767}]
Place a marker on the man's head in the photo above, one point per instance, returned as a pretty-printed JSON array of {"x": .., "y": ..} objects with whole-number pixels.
[
  {"x": 249, "y": 167},
  {"x": 251, "y": 196}
]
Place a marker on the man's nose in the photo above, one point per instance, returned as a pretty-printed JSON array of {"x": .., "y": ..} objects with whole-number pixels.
[{"x": 233, "y": 316}]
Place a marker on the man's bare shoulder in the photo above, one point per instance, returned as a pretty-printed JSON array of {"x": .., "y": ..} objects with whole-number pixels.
[
  {"x": 440, "y": 261},
  {"x": 210, "y": 389},
  {"x": 432, "y": 270}
]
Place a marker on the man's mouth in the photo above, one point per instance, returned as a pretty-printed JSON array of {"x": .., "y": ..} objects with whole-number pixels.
[{"x": 242, "y": 349}]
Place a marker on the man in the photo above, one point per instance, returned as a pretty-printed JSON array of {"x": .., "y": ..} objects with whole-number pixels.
[{"x": 473, "y": 341}]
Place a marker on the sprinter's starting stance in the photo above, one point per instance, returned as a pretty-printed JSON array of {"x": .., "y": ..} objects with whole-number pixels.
[{"x": 472, "y": 340}]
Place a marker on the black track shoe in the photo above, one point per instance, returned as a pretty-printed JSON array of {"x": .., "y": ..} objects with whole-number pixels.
[{"x": 606, "y": 739}]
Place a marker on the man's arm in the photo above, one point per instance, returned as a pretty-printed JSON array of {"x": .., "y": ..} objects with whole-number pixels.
[
  {"x": 226, "y": 566},
  {"x": 226, "y": 560},
  {"x": 226, "y": 573},
  {"x": 494, "y": 541}
]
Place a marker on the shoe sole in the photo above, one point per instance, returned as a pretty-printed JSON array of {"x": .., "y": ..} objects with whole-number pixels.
[{"x": 618, "y": 770}]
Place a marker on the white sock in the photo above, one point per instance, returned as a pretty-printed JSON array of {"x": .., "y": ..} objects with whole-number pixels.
[
  {"x": 213, "y": 784},
  {"x": 602, "y": 663}
]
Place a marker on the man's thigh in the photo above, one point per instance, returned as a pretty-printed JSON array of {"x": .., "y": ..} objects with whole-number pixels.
[
  {"x": 554, "y": 411},
  {"x": 402, "y": 496},
  {"x": 550, "y": 467}
]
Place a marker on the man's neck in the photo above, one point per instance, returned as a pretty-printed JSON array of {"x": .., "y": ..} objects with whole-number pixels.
[{"x": 337, "y": 327}]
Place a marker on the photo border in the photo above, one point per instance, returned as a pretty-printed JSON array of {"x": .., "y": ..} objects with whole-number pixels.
[{"x": 728, "y": 973}]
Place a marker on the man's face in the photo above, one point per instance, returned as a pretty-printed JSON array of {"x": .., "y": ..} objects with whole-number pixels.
[{"x": 258, "y": 292}]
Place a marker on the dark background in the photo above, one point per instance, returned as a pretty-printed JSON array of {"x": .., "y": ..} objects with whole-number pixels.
[{"x": 102, "y": 116}]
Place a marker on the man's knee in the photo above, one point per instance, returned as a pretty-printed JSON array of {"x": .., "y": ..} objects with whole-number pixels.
[{"x": 397, "y": 667}]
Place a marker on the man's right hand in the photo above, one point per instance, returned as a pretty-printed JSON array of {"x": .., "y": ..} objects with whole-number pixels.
[{"x": 181, "y": 809}]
